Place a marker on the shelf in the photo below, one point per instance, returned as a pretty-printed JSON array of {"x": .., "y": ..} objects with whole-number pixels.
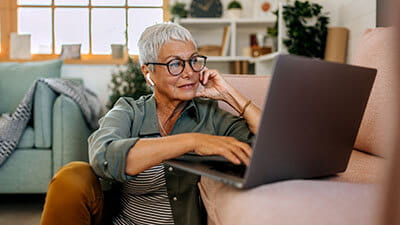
[
  {"x": 228, "y": 58},
  {"x": 267, "y": 20},
  {"x": 220, "y": 58},
  {"x": 204, "y": 21},
  {"x": 266, "y": 57}
]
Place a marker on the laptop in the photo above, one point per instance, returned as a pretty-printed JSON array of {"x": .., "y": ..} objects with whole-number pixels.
[{"x": 309, "y": 124}]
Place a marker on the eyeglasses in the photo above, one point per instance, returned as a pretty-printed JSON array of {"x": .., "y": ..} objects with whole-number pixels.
[{"x": 177, "y": 66}]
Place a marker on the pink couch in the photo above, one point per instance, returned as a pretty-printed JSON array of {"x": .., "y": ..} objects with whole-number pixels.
[{"x": 348, "y": 198}]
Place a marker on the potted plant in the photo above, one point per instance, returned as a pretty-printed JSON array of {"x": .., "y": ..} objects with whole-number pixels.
[
  {"x": 178, "y": 11},
  {"x": 234, "y": 9},
  {"x": 272, "y": 32},
  {"x": 117, "y": 51},
  {"x": 128, "y": 82},
  {"x": 306, "y": 29}
]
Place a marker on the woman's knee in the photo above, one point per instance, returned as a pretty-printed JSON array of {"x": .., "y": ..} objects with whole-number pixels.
[
  {"x": 75, "y": 178},
  {"x": 74, "y": 196}
]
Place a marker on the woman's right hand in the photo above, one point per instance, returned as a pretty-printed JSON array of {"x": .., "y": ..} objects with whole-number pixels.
[{"x": 235, "y": 151}]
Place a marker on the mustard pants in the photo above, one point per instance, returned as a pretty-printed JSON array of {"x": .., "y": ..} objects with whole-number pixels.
[{"x": 74, "y": 197}]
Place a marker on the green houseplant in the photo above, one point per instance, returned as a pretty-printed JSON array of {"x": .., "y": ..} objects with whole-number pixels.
[
  {"x": 128, "y": 82},
  {"x": 272, "y": 32},
  {"x": 178, "y": 11},
  {"x": 234, "y": 9},
  {"x": 306, "y": 29},
  {"x": 234, "y": 5}
]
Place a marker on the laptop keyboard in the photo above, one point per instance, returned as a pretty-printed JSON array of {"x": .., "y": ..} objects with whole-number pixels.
[
  {"x": 193, "y": 157},
  {"x": 215, "y": 162}
]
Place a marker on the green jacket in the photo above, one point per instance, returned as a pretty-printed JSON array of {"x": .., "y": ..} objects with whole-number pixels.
[{"x": 130, "y": 120}]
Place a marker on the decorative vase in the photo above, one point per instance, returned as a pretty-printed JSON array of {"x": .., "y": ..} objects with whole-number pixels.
[
  {"x": 176, "y": 18},
  {"x": 117, "y": 51},
  {"x": 234, "y": 13}
]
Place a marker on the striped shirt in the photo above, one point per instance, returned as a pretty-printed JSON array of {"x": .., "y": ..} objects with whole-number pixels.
[{"x": 144, "y": 200}]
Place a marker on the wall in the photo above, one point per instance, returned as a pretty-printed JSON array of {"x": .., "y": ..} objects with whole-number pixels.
[
  {"x": 95, "y": 77},
  {"x": 383, "y": 18},
  {"x": 357, "y": 15}
]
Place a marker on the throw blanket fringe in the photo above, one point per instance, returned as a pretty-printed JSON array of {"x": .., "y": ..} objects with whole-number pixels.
[{"x": 13, "y": 125}]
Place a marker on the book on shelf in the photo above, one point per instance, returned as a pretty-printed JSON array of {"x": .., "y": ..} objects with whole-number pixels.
[
  {"x": 240, "y": 67},
  {"x": 225, "y": 40}
]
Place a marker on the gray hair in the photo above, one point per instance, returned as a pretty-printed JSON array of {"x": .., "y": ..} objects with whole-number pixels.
[{"x": 155, "y": 36}]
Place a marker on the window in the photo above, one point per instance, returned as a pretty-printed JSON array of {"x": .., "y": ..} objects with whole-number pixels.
[{"x": 95, "y": 24}]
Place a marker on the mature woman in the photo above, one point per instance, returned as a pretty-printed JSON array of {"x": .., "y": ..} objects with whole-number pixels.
[{"x": 135, "y": 137}]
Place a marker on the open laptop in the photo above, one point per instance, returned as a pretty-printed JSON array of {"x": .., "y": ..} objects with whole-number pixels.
[{"x": 309, "y": 124}]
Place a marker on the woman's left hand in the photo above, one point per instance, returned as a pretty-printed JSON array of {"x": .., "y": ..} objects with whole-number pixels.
[{"x": 214, "y": 86}]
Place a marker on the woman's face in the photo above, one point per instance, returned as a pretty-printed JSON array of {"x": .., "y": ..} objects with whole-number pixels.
[{"x": 181, "y": 87}]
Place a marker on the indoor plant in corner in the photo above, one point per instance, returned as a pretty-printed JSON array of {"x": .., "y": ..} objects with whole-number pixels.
[
  {"x": 178, "y": 11},
  {"x": 128, "y": 81},
  {"x": 234, "y": 9},
  {"x": 306, "y": 29}
]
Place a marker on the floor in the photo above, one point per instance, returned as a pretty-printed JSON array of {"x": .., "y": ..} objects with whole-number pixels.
[{"x": 21, "y": 209}]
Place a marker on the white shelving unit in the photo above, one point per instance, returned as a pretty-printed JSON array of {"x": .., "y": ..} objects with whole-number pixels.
[{"x": 209, "y": 31}]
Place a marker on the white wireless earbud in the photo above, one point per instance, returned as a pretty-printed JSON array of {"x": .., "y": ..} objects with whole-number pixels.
[{"x": 149, "y": 79}]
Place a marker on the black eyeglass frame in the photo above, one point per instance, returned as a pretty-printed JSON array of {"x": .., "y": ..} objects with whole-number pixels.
[{"x": 184, "y": 64}]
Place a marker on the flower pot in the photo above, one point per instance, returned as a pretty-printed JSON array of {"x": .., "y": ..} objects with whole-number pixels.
[
  {"x": 176, "y": 18},
  {"x": 234, "y": 13},
  {"x": 117, "y": 51}
]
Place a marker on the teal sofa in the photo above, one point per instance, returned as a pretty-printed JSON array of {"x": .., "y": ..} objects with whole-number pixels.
[{"x": 56, "y": 135}]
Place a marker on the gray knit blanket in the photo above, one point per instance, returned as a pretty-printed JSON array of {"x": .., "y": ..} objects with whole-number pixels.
[{"x": 13, "y": 125}]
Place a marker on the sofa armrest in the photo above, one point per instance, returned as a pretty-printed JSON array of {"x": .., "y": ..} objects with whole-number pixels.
[
  {"x": 42, "y": 113},
  {"x": 70, "y": 133}
]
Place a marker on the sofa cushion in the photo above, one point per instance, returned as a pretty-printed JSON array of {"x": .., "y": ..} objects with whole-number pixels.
[
  {"x": 16, "y": 79},
  {"x": 362, "y": 168},
  {"x": 253, "y": 87},
  {"x": 26, "y": 171},
  {"x": 223, "y": 202},
  {"x": 27, "y": 139},
  {"x": 291, "y": 202},
  {"x": 377, "y": 50}
]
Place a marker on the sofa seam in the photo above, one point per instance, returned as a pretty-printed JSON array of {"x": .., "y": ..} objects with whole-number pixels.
[
  {"x": 41, "y": 122},
  {"x": 62, "y": 129}
]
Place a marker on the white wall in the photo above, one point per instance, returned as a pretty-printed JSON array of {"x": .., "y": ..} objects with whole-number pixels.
[
  {"x": 357, "y": 16},
  {"x": 95, "y": 77}
]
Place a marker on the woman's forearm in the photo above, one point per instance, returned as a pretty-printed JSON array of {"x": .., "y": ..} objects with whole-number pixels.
[
  {"x": 149, "y": 152},
  {"x": 251, "y": 113}
]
